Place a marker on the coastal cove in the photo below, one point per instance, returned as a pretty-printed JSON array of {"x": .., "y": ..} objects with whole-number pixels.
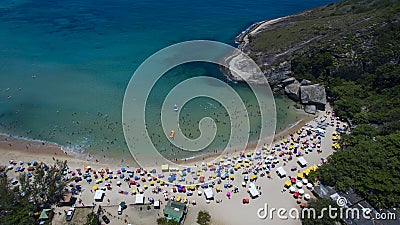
[{"x": 55, "y": 69}]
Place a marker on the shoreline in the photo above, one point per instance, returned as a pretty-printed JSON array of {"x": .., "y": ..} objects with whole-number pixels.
[
  {"x": 26, "y": 146},
  {"x": 272, "y": 186}
]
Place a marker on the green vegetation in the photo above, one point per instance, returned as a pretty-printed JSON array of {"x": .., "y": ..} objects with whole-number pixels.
[
  {"x": 322, "y": 23},
  {"x": 21, "y": 203},
  {"x": 92, "y": 219},
  {"x": 361, "y": 71},
  {"x": 203, "y": 218},
  {"x": 165, "y": 221},
  {"x": 352, "y": 48},
  {"x": 315, "y": 209}
]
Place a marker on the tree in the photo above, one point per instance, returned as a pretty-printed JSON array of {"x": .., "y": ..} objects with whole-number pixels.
[
  {"x": 92, "y": 219},
  {"x": 318, "y": 205},
  {"x": 165, "y": 221},
  {"x": 203, "y": 218}
]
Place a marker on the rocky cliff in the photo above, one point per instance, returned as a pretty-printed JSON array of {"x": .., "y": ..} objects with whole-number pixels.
[{"x": 344, "y": 29}]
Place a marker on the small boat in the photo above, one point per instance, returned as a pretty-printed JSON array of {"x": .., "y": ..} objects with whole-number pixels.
[
  {"x": 172, "y": 134},
  {"x": 176, "y": 108},
  {"x": 34, "y": 76}
]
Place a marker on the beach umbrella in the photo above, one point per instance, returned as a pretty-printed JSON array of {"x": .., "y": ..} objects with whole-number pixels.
[
  {"x": 119, "y": 183},
  {"x": 293, "y": 180},
  {"x": 300, "y": 175},
  {"x": 309, "y": 185},
  {"x": 228, "y": 193},
  {"x": 123, "y": 169},
  {"x": 88, "y": 179},
  {"x": 95, "y": 188},
  {"x": 305, "y": 181},
  {"x": 296, "y": 194},
  {"x": 299, "y": 185},
  {"x": 292, "y": 189},
  {"x": 307, "y": 197},
  {"x": 121, "y": 176},
  {"x": 287, "y": 183},
  {"x": 303, "y": 205},
  {"x": 301, "y": 191}
]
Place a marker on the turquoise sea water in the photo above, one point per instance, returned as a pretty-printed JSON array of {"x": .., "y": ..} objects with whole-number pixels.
[{"x": 83, "y": 54}]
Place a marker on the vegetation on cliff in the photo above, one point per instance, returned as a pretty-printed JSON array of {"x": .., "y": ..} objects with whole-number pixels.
[{"x": 352, "y": 47}]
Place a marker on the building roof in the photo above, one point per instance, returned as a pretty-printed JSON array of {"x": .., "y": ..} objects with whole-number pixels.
[
  {"x": 175, "y": 210},
  {"x": 45, "y": 214},
  {"x": 351, "y": 196},
  {"x": 323, "y": 191}
]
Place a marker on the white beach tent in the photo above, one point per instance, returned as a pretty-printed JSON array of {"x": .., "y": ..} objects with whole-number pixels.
[
  {"x": 157, "y": 204},
  {"x": 139, "y": 199},
  {"x": 281, "y": 172},
  {"x": 208, "y": 193},
  {"x": 302, "y": 162},
  {"x": 98, "y": 195},
  {"x": 253, "y": 190}
]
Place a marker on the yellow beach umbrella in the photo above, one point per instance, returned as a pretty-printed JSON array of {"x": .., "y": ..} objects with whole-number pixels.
[
  {"x": 95, "y": 188},
  {"x": 300, "y": 175},
  {"x": 145, "y": 187},
  {"x": 134, "y": 191},
  {"x": 287, "y": 183},
  {"x": 152, "y": 183}
]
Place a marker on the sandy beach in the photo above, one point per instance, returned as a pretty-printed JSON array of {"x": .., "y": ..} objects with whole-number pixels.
[{"x": 223, "y": 209}]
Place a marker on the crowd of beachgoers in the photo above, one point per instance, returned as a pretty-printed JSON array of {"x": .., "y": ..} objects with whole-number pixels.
[{"x": 240, "y": 179}]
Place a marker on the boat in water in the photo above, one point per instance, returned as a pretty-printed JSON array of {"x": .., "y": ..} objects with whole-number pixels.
[
  {"x": 172, "y": 134},
  {"x": 176, "y": 108}
]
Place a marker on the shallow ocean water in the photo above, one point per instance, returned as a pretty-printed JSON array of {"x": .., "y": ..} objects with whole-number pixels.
[{"x": 83, "y": 54}]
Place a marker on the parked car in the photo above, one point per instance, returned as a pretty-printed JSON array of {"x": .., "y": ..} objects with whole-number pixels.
[
  {"x": 70, "y": 214},
  {"x": 105, "y": 219}
]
